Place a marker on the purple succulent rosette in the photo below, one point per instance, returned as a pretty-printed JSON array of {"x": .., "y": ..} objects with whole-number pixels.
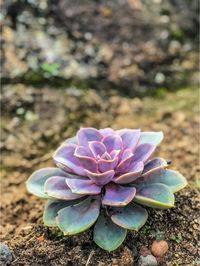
[{"x": 103, "y": 177}]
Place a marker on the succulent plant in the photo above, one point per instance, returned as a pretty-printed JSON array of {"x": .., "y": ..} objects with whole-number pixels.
[{"x": 102, "y": 179}]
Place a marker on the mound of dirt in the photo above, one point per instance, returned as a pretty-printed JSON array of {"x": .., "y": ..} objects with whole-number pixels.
[{"x": 37, "y": 121}]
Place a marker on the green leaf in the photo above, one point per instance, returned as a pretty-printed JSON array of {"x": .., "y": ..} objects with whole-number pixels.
[
  {"x": 108, "y": 235},
  {"x": 173, "y": 179},
  {"x": 78, "y": 218},
  {"x": 154, "y": 138},
  {"x": 197, "y": 182},
  {"x": 50, "y": 68},
  {"x": 35, "y": 183},
  {"x": 155, "y": 195},
  {"x": 51, "y": 210},
  {"x": 131, "y": 217}
]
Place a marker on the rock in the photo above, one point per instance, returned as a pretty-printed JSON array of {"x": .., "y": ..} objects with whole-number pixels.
[
  {"x": 127, "y": 257},
  {"x": 149, "y": 260},
  {"x": 144, "y": 251},
  {"x": 5, "y": 254},
  {"x": 159, "y": 248}
]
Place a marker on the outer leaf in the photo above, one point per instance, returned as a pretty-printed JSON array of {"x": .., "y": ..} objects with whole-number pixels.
[
  {"x": 117, "y": 195},
  {"x": 56, "y": 187},
  {"x": 155, "y": 195},
  {"x": 131, "y": 217},
  {"x": 108, "y": 235},
  {"x": 83, "y": 186},
  {"x": 154, "y": 166},
  {"x": 35, "y": 183},
  {"x": 64, "y": 158},
  {"x": 78, "y": 218},
  {"x": 154, "y": 138},
  {"x": 143, "y": 152},
  {"x": 173, "y": 179},
  {"x": 51, "y": 210}
]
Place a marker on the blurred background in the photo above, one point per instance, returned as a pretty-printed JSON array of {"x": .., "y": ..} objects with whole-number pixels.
[
  {"x": 137, "y": 47},
  {"x": 115, "y": 63}
]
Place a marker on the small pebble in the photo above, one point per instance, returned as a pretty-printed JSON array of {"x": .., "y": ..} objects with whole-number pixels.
[
  {"x": 127, "y": 257},
  {"x": 159, "y": 248},
  {"x": 5, "y": 254},
  {"x": 144, "y": 251},
  {"x": 148, "y": 260}
]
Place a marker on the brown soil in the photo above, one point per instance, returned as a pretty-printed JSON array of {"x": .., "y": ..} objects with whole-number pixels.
[{"x": 36, "y": 121}]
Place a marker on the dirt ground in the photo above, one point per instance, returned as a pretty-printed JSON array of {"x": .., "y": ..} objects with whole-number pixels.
[{"x": 37, "y": 120}]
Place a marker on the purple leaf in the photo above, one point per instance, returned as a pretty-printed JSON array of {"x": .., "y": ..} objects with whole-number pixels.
[
  {"x": 97, "y": 148},
  {"x": 57, "y": 188},
  {"x": 85, "y": 161},
  {"x": 117, "y": 195},
  {"x": 131, "y": 175},
  {"x": 154, "y": 166},
  {"x": 106, "y": 131},
  {"x": 127, "y": 158},
  {"x": 113, "y": 142},
  {"x": 106, "y": 165},
  {"x": 83, "y": 186},
  {"x": 143, "y": 152},
  {"x": 130, "y": 138},
  {"x": 101, "y": 178},
  {"x": 105, "y": 156},
  {"x": 64, "y": 157},
  {"x": 85, "y": 135},
  {"x": 115, "y": 153}
]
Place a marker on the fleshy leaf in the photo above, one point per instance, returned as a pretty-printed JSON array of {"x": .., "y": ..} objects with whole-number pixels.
[
  {"x": 86, "y": 162},
  {"x": 131, "y": 217},
  {"x": 117, "y": 195},
  {"x": 83, "y": 186},
  {"x": 154, "y": 138},
  {"x": 143, "y": 152},
  {"x": 129, "y": 177},
  {"x": 35, "y": 183},
  {"x": 108, "y": 235},
  {"x": 130, "y": 138},
  {"x": 78, "y": 218},
  {"x": 64, "y": 157},
  {"x": 101, "y": 178},
  {"x": 155, "y": 195},
  {"x": 173, "y": 179},
  {"x": 126, "y": 159},
  {"x": 52, "y": 207},
  {"x": 85, "y": 135},
  {"x": 106, "y": 131},
  {"x": 57, "y": 188},
  {"x": 154, "y": 166},
  {"x": 97, "y": 148},
  {"x": 107, "y": 165},
  {"x": 113, "y": 142}
]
